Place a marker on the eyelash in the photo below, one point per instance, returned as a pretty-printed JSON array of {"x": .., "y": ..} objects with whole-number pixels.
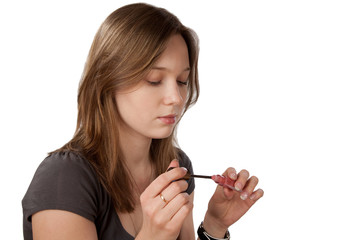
[
  {"x": 158, "y": 83},
  {"x": 183, "y": 83},
  {"x": 154, "y": 83}
]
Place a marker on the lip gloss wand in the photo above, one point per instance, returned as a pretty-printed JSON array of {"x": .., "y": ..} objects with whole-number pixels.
[{"x": 221, "y": 180}]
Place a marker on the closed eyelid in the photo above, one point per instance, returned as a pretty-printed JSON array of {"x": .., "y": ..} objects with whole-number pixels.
[
  {"x": 155, "y": 76},
  {"x": 154, "y": 83},
  {"x": 183, "y": 82}
]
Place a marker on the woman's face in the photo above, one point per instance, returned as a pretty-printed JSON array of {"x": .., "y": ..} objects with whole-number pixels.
[{"x": 152, "y": 108}]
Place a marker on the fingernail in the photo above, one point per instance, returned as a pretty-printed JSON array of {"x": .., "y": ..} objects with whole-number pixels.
[
  {"x": 243, "y": 196},
  {"x": 233, "y": 176},
  {"x": 184, "y": 169},
  {"x": 252, "y": 196},
  {"x": 238, "y": 186}
]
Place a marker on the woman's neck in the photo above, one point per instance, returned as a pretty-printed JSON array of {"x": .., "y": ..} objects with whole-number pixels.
[{"x": 136, "y": 151}]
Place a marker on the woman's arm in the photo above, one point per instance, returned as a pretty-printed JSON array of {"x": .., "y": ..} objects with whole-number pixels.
[
  {"x": 187, "y": 230},
  {"x": 59, "y": 224}
]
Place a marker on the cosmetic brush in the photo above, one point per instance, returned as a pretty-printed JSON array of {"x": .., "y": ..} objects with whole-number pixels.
[{"x": 221, "y": 180}]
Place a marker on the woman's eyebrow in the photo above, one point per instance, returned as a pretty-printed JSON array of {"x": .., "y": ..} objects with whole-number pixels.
[{"x": 166, "y": 69}]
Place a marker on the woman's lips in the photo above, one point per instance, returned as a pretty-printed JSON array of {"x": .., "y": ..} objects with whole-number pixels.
[{"x": 169, "y": 119}]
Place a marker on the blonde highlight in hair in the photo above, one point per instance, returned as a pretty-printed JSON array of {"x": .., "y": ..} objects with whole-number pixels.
[{"x": 123, "y": 51}]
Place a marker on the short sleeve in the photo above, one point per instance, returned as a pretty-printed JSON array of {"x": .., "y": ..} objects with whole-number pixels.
[
  {"x": 184, "y": 161},
  {"x": 63, "y": 181}
]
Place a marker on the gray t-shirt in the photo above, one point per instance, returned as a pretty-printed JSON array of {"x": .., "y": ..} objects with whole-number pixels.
[{"x": 67, "y": 181}]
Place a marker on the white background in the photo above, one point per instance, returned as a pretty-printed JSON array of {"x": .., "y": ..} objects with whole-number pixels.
[{"x": 279, "y": 97}]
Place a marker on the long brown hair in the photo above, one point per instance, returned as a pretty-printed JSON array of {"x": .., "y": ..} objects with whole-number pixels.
[{"x": 124, "y": 49}]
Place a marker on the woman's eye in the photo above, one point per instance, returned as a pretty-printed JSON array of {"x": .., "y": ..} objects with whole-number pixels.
[
  {"x": 154, "y": 83},
  {"x": 183, "y": 83}
]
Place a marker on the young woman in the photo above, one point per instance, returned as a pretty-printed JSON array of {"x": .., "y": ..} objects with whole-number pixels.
[{"x": 111, "y": 180}]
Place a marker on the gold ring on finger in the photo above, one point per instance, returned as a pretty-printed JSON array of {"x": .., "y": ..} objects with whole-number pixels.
[{"x": 162, "y": 198}]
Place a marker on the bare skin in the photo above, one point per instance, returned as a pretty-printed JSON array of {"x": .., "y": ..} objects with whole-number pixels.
[{"x": 58, "y": 225}]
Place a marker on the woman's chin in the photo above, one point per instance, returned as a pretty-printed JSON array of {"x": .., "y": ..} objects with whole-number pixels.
[{"x": 162, "y": 135}]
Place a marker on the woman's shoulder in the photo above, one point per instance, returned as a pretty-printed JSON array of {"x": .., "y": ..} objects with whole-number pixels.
[
  {"x": 65, "y": 162},
  {"x": 64, "y": 180},
  {"x": 65, "y": 170}
]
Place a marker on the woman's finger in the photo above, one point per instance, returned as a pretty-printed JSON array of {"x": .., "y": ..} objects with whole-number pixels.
[
  {"x": 242, "y": 179},
  {"x": 164, "y": 215},
  {"x": 249, "y": 187},
  {"x": 256, "y": 195},
  {"x": 174, "y": 164},
  {"x": 175, "y": 204},
  {"x": 162, "y": 181},
  {"x": 174, "y": 189},
  {"x": 230, "y": 173},
  {"x": 179, "y": 217}
]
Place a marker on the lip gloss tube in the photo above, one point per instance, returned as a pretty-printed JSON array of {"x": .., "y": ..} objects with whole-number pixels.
[{"x": 224, "y": 181}]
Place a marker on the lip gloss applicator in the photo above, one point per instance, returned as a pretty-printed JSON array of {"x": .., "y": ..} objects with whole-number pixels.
[{"x": 221, "y": 180}]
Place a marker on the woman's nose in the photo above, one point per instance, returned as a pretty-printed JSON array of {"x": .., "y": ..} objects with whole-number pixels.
[{"x": 173, "y": 94}]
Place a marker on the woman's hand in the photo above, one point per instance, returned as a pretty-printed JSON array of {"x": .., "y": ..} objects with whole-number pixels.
[
  {"x": 165, "y": 205},
  {"x": 227, "y": 206}
]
